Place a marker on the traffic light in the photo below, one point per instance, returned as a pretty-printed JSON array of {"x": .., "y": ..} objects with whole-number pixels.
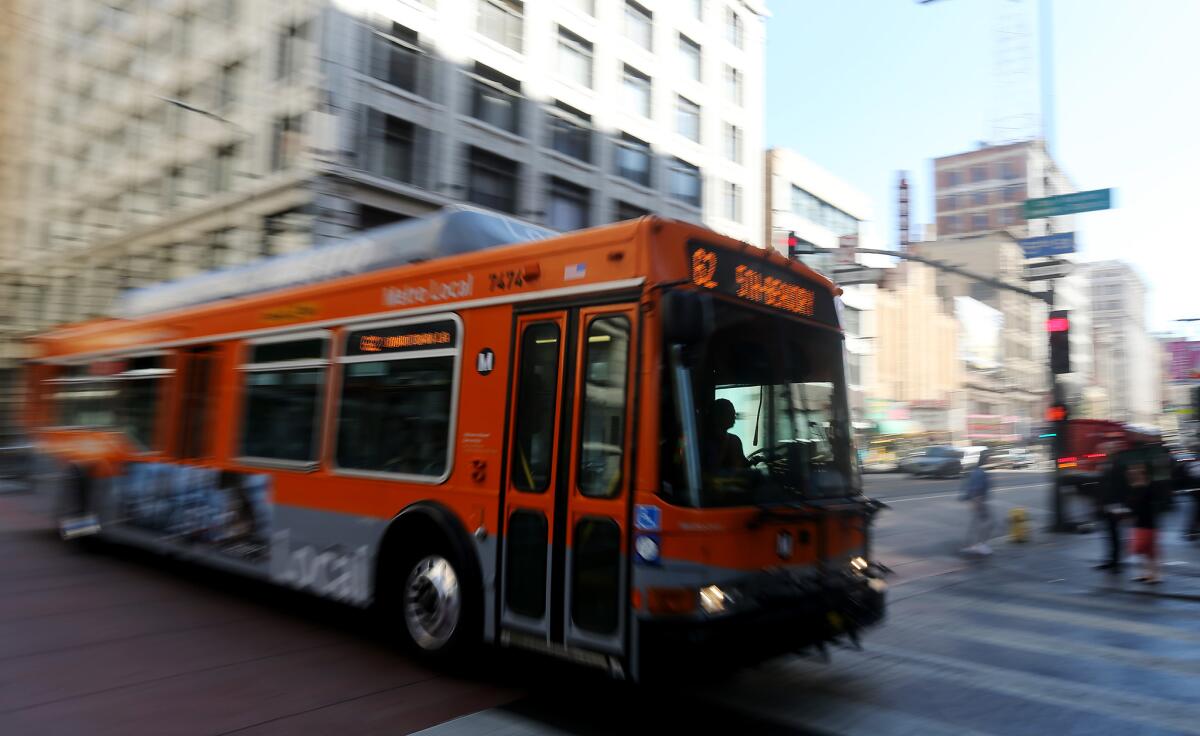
[
  {"x": 793, "y": 246},
  {"x": 1059, "y": 327}
]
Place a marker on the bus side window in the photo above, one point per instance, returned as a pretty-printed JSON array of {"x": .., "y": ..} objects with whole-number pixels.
[
  {"x": 395, "y": 405},
  {"x": 282, "y": 385},
  {"x": 197, "y": 399}
]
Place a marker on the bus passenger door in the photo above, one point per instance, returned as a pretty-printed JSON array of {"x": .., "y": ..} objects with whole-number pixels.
[
  {"x": 597, "y": 500},
  {"x": 530, "y": 485},
  {"x": 566, "y": 500}
]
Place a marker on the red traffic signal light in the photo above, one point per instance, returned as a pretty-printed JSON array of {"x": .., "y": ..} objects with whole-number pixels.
[
  {"x": 1058, "y": 324},
  {"x": 1056, "y": 413}
]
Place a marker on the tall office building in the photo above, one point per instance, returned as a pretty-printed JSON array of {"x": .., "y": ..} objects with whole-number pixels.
[
  {"x": 1128, "y": 358},
  {"x": 146, "y": 140}
]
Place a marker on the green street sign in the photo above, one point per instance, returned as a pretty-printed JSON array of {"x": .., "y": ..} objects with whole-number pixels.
[{"x": 1068, "y": 204}]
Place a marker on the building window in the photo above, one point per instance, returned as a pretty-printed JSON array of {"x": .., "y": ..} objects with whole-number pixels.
[
  {"x": 371, "y": 217},
  {"x": 687, "y": 119},
  {"x": 396, "y": 56},
  {"x": 221, "y": 174},
  {"x": 735, "y": 32},
  {"x": 282, "y": 385},
  {"x": 570, "y": 132},
  {"x": 637, "y": 91},
  {"x": 227, "y": 86},
  {"x": 1013, "y": 193},
  {"x": 953, "y": 178},
  {"x": 979, "y": 198},
  {"x": 733, "y": 201},
  {"x": 574, "y": 58},
  {"x": 495, "y": 98},
  {"x": 285, "y": 142},
  {"x": 639, "y": 24},
  {"x": 733, "y": 85},
  {"x": 685, "y": 182},
  {"x": 1010, "y": 169},
  {"x": 501, "y": 21},
  {"x": 948, "y": 203},
  {"x": 391, "y": 144},
  {"x": 288, "y": 57},
  {"x": 733, "y": 143},
  {"x": 633, "y": 159},
  {"x": 492, "y": 180},
  {"x": 394, "y": 413},
  {"x": 1008, "y": 216},
  {"x": 952, "y": 224},
  {"x": 625, "y": 211},
  {"x": 689, "y": 57},
  {"x": 567, "y": 208},
  {"x": 979, "y": 221},
  {"x": 979, "y": 173}
]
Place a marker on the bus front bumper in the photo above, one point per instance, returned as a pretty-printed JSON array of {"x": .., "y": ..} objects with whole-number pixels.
[{"x": 783, "y": 617}]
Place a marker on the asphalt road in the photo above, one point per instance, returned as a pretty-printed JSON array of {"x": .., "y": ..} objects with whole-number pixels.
[{"x": 111, "y": 641}]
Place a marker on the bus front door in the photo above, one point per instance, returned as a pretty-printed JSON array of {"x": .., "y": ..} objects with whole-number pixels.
[{"x": 567, "y": 491}]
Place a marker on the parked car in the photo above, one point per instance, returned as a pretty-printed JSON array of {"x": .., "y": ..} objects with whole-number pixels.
[{"x": 939, "y": 462}]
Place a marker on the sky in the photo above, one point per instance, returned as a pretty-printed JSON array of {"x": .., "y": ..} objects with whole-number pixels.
[{"x": 867, "y": 88}]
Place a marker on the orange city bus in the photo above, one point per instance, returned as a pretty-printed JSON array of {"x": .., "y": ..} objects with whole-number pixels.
[{"x": 611, "y": 444}]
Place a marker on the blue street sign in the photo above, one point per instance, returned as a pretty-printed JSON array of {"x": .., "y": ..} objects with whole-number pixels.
[{"x": 1048, "y": 245}]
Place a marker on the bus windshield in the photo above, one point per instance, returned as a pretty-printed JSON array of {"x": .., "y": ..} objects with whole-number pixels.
[{"x": 769, "y": 414}]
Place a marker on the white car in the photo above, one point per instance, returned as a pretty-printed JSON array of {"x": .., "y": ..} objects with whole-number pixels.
[{"x": 970, "y": 456}]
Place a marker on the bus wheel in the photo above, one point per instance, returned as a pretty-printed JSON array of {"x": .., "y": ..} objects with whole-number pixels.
[{"x": 433, "y": 604}]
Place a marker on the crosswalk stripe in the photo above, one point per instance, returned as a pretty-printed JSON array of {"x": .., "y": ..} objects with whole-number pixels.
[
  {"x": 1113, "y": 703},
  {"x": 1042, "y": 644},
  {"x": 1140, "y": 607},
  {"x": 954, "y": 601}
]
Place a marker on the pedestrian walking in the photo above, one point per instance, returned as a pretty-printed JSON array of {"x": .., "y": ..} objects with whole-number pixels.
[
  {"x": 976, "y": 490},
  {"x": 1111, "y": 500},
  {"x": 1139, "y": 484}
]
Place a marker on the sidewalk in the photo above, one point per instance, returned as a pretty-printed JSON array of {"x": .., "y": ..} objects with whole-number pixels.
[{"x": 1069, "y": 558}]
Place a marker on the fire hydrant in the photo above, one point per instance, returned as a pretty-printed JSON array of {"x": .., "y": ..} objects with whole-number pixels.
[{"x": 1018, "y": 525}]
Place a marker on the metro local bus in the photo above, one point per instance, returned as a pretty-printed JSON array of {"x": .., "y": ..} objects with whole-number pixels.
[{"x": 612, "y": 444}]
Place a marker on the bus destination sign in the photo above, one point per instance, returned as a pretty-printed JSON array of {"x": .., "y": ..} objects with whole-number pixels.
[
  {"x": 754, "y": 280},
  {"x": 402, "y": 338}
]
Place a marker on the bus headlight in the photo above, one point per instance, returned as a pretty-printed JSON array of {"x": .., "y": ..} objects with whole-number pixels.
[
  {"x": 716, "y": 600},
  {"x": 859, "y": 564}
]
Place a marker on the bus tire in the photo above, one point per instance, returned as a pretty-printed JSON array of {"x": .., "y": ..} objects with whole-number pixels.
[{"x": 429, "y": 594}]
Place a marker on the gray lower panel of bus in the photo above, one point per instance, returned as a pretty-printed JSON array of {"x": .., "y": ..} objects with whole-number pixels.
[{"x": 227, "y": 520}]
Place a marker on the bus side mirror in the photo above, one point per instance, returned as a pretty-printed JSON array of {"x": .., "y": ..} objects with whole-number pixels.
[{"x": 687, "y": 317}]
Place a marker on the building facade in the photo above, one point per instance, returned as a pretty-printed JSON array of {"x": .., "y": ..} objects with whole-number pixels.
[
  {"x": 177, "y": 136},
  {"x": 1128, "y": 358},
  {"x": 918, "y": 378},
  {"x": 984, "y": 190},
  {"x": 1012, "y": 395}
]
